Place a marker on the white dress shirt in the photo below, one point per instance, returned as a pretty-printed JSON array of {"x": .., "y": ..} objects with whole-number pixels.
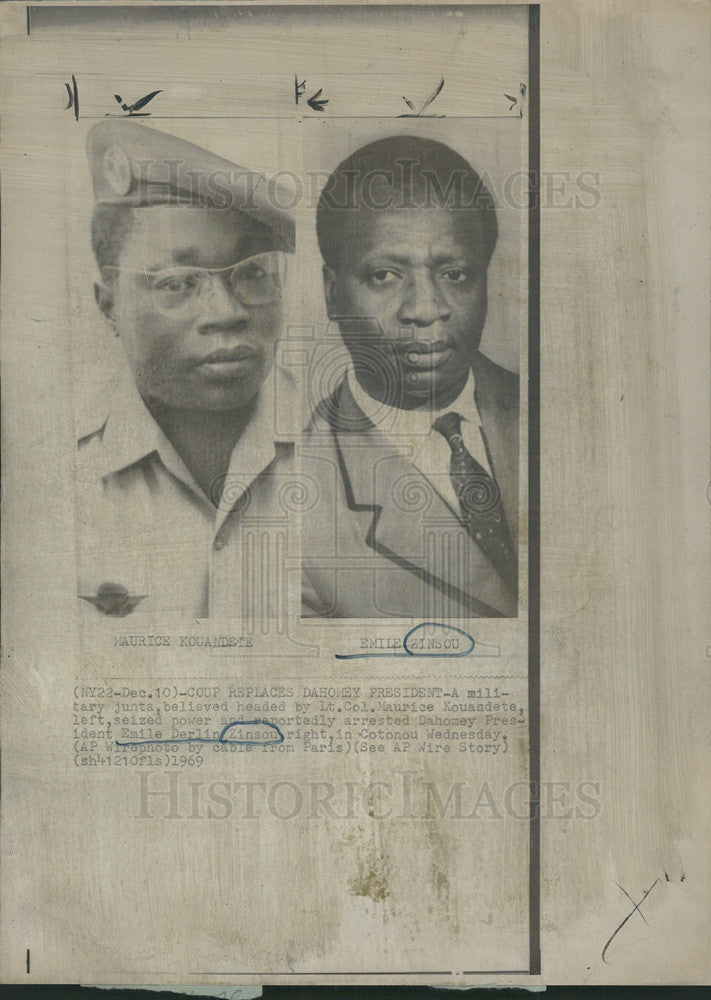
[{"x": 411, "y": 431}]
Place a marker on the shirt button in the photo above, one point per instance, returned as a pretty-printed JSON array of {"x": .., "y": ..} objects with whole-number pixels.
[{"x": 219, "y": 543}]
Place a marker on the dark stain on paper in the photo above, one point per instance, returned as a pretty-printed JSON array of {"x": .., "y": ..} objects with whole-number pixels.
[{"x": 370, "y": 879}]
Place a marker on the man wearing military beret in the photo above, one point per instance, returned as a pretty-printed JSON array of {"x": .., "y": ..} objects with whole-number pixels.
[
  {"x": 191, "y": 251},
  {"x": 416, "y": 449}
]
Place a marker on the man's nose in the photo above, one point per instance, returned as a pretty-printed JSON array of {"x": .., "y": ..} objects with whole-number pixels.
[
  {"x": 422, "y": 302},
  {"x": 220, "y": 306}
]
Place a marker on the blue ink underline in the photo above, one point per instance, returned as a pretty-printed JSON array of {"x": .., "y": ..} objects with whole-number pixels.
[
  {"x": 411, "y": 652},
  {"x": 221, "y": 737}
]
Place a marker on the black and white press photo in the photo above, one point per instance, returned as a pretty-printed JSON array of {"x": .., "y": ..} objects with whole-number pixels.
[
  {"x": 191, "y": 253},
  {"x": 355, "y": 455},
  {"x": 417, "y": 446}
]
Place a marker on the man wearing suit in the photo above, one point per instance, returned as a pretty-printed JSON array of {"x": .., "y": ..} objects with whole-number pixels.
[{"x": 416, "y": 450}]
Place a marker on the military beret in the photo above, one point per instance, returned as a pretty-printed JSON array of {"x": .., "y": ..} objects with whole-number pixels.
[{"x": 134, "y": 165}]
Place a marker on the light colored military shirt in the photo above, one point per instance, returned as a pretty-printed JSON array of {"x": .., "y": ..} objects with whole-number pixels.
[{"x": 145, "y": 527}]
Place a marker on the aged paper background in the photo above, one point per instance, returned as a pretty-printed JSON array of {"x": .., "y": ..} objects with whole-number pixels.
[{"x": 625, "y": 500}]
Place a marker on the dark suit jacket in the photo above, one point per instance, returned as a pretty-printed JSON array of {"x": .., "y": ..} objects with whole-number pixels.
[{"x": 381, "y": 540}]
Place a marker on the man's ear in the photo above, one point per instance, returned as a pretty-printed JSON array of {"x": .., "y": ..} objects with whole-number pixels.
[
  {"x": 105, "y": 301},
  {"x": 329, "y": 290}
]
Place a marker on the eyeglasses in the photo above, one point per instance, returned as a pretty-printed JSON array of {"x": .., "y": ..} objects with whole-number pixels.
[{"x": 177, "y": 291}]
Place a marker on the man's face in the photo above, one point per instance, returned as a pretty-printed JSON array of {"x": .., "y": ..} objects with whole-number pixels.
[
  {"x": 410, "y": 294},
  {"x": 215, "y": 354}
]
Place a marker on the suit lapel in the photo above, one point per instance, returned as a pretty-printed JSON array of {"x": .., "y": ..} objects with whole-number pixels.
[
  {"x": 499, "y": 418},
  {"x": 407, "y": 522}
]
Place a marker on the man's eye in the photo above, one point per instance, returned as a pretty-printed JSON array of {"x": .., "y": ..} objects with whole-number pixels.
[
  {"x": 455, "y": 275},
  {"x": 176, "y": 283},
  {"x": 382, "y": 277},
  {"x": 252, "y": 272}
]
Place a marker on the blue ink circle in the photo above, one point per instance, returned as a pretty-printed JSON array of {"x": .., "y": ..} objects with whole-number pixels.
[
  {"x": 451, "y": 628},
  {"x": 252, "y": 722}
]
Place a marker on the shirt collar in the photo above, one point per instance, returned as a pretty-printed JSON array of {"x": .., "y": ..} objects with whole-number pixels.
[
  {"x": 131, "y": 434},
  {"x": 415, "y": 423}
]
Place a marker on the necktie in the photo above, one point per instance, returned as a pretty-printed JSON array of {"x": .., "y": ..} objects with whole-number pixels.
[{"x": 479, "y": 500}]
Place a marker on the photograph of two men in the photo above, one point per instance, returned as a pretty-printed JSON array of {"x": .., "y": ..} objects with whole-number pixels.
[{"x": 300, "y": 392}]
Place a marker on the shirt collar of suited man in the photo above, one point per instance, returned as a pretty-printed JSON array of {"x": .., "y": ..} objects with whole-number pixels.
[{"x": 412, "y": 429}]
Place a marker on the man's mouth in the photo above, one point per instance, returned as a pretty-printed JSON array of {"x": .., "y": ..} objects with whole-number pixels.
[
  {"x": 426, "y": 354},
  {"x": 229, "y": 354},
  {"x": 228, "y": 361}
]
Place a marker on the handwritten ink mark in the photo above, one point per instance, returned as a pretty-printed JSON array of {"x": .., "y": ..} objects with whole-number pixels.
[
  {"x": 133, "y": 109},
  {"x": 632, "y": 902},
  {"x": 73, "y": 95},
  {"x": 412, "y": 652},
  {"x": 313, "y": 101},
  {"x": 635, "y": 910},
  {"x": 221, "y": 738},
  {"x": 413, "y": 113},
  {"x": 682, "y": 877},
  {"x": 28, "y": 961},
  {"x": 516, "y": 100}
]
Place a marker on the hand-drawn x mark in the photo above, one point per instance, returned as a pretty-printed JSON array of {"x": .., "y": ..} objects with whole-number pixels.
[{"x": 635, "y": 910}]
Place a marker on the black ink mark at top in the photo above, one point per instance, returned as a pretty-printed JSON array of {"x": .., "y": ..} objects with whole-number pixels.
[
  {"x": 635, "y": 910},
  {"x": 28, "y": 961},
  {"x": 520, "y": 100},
  {"x": 73, "y": 95},
  {"x": 313, "y": 102},
  {"x": 413, "y": 113},
  {"x": 134, "y": 108}
]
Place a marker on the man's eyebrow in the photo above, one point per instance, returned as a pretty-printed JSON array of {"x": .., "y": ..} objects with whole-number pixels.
[
  {"x": 383, "y": 253},
  {"x": 461, "y": 253},
  {"x": 399, "y": 256},
  {"x": 186, "y": 255}
]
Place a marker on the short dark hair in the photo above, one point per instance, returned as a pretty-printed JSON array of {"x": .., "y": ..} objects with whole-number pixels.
[
  {"x": 414, "y": 172},
  {"x": 110, "y": 227}
]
